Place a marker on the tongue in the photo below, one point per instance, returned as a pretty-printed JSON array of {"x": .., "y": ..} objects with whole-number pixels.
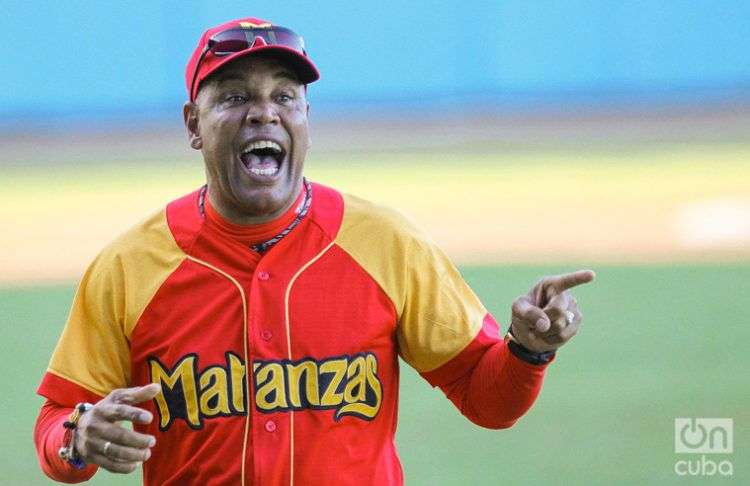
[{"x": 253, "y": 161}]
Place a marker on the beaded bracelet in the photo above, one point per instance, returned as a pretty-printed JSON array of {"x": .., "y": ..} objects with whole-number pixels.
[{"x": 68, "y": 451}]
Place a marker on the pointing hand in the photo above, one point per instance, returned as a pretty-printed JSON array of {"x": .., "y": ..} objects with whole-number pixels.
[{"x": 547, "y": 317}]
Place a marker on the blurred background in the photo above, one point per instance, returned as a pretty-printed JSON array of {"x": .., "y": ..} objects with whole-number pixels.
[{"x": 527, "y": 137}]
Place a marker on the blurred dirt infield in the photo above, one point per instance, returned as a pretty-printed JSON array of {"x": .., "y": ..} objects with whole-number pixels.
[{"x": 662, "y": 187}]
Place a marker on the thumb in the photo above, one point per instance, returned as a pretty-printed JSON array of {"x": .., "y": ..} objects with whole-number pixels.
[
  {"x": 138, "y": 394},
  {"x": 533, "y": 316}
]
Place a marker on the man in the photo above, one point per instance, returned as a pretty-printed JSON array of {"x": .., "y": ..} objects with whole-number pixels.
[{"x": 251, "y": 330}]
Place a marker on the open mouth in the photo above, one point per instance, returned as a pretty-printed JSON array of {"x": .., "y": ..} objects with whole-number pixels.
[{"x": 263, "y": 157}]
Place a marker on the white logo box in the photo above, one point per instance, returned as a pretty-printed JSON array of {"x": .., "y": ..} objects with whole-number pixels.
[{"x": 703, "y": 435}]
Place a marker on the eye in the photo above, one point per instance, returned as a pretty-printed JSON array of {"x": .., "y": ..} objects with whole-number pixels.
[
  {"x": 236, "y": 99},
  {"x": 284, "y": 98}
]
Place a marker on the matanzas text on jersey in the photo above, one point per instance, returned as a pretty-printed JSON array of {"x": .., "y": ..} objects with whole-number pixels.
[{"x": 348, "y": 384}]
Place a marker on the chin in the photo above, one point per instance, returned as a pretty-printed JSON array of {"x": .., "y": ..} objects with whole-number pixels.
[{"x": 261, "y": 201}]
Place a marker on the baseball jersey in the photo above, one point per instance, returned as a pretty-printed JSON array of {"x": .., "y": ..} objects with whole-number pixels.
[{"x": 278, "y": 369}]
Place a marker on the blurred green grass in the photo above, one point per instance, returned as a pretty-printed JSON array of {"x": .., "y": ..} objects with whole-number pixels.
[{"x": 658, "y": 342}]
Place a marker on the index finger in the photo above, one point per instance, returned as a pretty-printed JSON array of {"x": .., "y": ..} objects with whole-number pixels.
[
  {"x": 114, "y": 412},
  {"x": 561, "y": 283},
  {"x": 138, "y": 394}
]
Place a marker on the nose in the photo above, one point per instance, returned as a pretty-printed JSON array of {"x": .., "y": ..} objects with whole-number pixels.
[{"x": 262, "y": 113}]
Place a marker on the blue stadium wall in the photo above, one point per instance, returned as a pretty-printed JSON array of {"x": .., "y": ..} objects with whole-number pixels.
[{"x": 119, "y": 58}]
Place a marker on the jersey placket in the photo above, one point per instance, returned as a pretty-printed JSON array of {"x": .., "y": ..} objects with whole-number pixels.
[{"x": 267, "y": 341}]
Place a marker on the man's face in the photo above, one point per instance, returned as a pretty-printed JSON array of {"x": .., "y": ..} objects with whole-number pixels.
[{"x": 250, "y": 122}]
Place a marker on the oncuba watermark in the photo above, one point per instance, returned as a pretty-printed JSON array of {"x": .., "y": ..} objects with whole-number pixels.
[{"x": 704, "y": 436}]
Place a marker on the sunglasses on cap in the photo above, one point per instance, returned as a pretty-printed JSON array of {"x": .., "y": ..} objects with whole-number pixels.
[{"x": 238, "y": 39}]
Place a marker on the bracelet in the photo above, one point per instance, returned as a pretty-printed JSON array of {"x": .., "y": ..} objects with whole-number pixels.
[
  {"x": 525, "y": 354},
  {"x": 68, "y": 451}
]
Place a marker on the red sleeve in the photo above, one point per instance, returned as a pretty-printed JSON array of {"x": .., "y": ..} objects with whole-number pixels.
[
  {"x": 48, "y": 438},
  {"x": 64, "y": 392},
  {"x": 487, "y": 383}
]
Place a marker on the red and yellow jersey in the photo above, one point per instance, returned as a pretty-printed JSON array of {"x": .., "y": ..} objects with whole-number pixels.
[{"x": 278, "y": 369}]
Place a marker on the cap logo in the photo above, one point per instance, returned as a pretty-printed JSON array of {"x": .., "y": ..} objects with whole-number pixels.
[{"x": 252, "y": 25}]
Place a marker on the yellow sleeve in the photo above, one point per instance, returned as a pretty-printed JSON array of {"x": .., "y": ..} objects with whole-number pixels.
[
  {"x": 93, "y": 351},
  {"x": 439, "y": 315}
]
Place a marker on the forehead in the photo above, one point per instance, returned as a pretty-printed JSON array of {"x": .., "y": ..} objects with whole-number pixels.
[{"x": 254, "y": 68}]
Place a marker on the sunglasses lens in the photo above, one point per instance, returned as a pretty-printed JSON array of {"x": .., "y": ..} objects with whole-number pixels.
[
  {"x": 288, "y": 38},
  {"x": 222, "y": 48},
  {"x": 227, "y": 42}
]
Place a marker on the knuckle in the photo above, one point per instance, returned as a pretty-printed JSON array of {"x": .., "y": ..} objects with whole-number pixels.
[
  {"x": 131, "y": 454},
  {"x": 117, "y": 434},
  {"x": 115, "y": 452},
  {"x": 126, "y": 412},
  {"x": 111, "y": 411},
  {"x": 92, "y": 427},
  {"x": 99, "y": 410}
]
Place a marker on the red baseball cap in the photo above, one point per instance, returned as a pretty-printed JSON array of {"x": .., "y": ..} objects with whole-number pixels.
[{"x": 236, "y": 38}]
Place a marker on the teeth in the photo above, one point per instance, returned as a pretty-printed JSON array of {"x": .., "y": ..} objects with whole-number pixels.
[
  {"x": 266, "y": 172},
  {"x": 263, "y": 144}
]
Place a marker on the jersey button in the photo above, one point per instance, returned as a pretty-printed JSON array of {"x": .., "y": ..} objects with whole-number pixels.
[
  {"x": 270, "y": 426},
  {"x": 266, "y": 335},
  {"x": 264, "y": 275}
]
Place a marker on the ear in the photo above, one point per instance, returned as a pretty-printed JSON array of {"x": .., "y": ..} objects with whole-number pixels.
[
  {"x": 307, "y": 113},
  {"x": 190, "y": 115}
]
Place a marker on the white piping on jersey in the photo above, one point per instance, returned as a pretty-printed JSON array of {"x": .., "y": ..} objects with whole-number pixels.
[
  {"x": 289, "y": 350},
  {"x": 247, "y": 366}
]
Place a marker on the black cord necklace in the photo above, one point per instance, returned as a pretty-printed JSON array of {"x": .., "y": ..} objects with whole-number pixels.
[{"x": 263, "y": 247}]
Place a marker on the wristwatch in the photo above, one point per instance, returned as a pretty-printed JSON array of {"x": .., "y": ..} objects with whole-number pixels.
[{"x": 524, "y": 354}]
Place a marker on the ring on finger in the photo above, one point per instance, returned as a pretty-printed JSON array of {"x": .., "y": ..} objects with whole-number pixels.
[
  {"x": 106, "y": 447},
  {"x": 569, "y": 317}
]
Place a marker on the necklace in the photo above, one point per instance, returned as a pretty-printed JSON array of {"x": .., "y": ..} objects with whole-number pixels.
[{"x": 264, "y": 246}]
